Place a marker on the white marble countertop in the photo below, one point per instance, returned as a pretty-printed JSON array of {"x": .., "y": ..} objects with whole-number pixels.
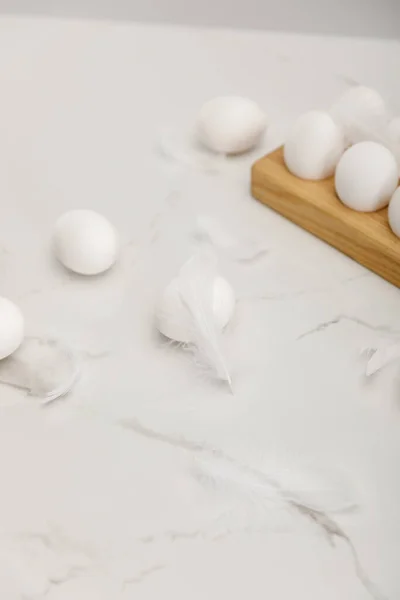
[{"x": 99, "y": 489}]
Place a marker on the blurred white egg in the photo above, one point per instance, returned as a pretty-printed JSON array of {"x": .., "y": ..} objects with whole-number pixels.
[
  {"x": 11, "y": 327},
  {"x": 230, "y": 124},
  {"x": 394, "y": 212},
  {"x": 85, "y": 242},
  {"x": 394, "y": 129},
  {"x": 314, "y": 146},
  {"x": 172, "y": 319},
  {"x": 362, "y": 113},
  {"x": 366, "y": 177}
]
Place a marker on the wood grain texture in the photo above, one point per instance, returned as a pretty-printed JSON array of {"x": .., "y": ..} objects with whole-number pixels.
[{"x": 314, "y": 206}]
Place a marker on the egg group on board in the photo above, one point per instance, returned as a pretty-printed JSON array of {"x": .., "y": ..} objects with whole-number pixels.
[
  {"x": 314, "y": 146},
  {"x": 357, "y": 143},
  {"x": 366, "y": 177},
  {"x": 230, "y": 124},
  {"x": 172, "y": 320},
  {"x": 11, "y": 327},
  {"x": 85, "y": 242}
]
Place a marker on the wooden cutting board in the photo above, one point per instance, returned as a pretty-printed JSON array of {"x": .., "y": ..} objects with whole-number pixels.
[{"x": 365, "y": 237}]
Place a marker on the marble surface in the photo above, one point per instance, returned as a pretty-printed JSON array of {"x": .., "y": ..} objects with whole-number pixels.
[{"x": 112, "y": 492}]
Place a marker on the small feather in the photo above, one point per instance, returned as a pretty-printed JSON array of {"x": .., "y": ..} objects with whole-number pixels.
[
  {"x": 184, "y": 150},
  {"x": 319, "y": 489},
  {"x": 222, "y": 475},
  {"x": 362, "y": 113},
  {"x": 44, "y": 368},
  {"x": 378, "y": 358},
  {"x": 196, "y": 285},
  {"x": 235, "y": 247},
  {"x": 374, "y": 130},
  {"x": 313, "y": 490}
]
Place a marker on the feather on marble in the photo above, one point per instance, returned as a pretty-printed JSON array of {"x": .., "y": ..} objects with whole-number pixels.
[
  {"x": 196, "y": 281},
  {"x": 44, "y": 368},
  {"x": 381, "y": 356},
  {"x": 235, "y": 247},
  {"x": 219, "y": 472}
]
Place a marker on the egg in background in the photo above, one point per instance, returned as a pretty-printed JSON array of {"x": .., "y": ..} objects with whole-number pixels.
[
  {"x": 314, "y": 146},
  {"x": 230, "y": 124},
  {"x": 85, "y": 242}
]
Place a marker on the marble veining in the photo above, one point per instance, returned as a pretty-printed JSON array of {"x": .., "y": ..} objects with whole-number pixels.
[
  {"x": 336, "y": 320},
  {"x": 327, "y": 524}
]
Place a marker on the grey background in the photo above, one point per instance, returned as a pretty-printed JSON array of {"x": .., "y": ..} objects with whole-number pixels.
[{"x": 379, "y": 18}]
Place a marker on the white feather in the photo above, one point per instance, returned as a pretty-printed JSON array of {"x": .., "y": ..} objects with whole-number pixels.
[
  {"x": 234, "y": 246},
  {"x": 361, "y": 111},
  {"x": 380, "y": 133},
  {"x": 44, "y": 368},
  {"x": 363, "y": 115},
  {"x": 315, "y": 490},
  {"x": 196, "y": 285},
  {"x": 378, "y": 358},
  {"x": 320, "y": 489},
  {"x": 222, "y": 475},
  {"x": 184, "y": 150}
]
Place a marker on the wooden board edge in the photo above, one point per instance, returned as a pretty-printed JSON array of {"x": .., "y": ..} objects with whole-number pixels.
[{"x": 350, "y": 245}]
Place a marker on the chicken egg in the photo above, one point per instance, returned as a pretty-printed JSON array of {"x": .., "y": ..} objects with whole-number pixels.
[
  {"x": 230, "y": 124},
  {"x": 85, "y": 242},
  {"x": 394, "y": 212},
  {"x": 172, "y": 319},
  {"x": 11, "y": 327},
  {"x": 366, "y": 177},
  {"x": 314, "y": 146}
]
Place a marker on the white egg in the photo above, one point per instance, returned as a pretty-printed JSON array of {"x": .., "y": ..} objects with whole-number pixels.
[
  {"x": 366, "y": 177},
  {"x": 362, "y": 113},
  {"x": 314, "y": 146},
  {"x": 172, "y": 319},
  {"x": 394, "y": 212},
  {"x": 230, "y": 124},
  {"x": 394, "y": 129},
  {"x": 11, "y": 327},
  {"x": 85, "y": 242}
]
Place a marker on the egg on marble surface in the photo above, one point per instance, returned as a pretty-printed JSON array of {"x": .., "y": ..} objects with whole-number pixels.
[
  {"x": 85, "y": 242},
  {"x": 172, "y": 320},
  {"x": 394, "y": 212},
  {"x": 11, "y": 327},
  {"x": 230, "y": 124},
  {"x": 361, "y": 111},
  {"x": 314, "y": 146},
  {"x": 366, "y": 177}
]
